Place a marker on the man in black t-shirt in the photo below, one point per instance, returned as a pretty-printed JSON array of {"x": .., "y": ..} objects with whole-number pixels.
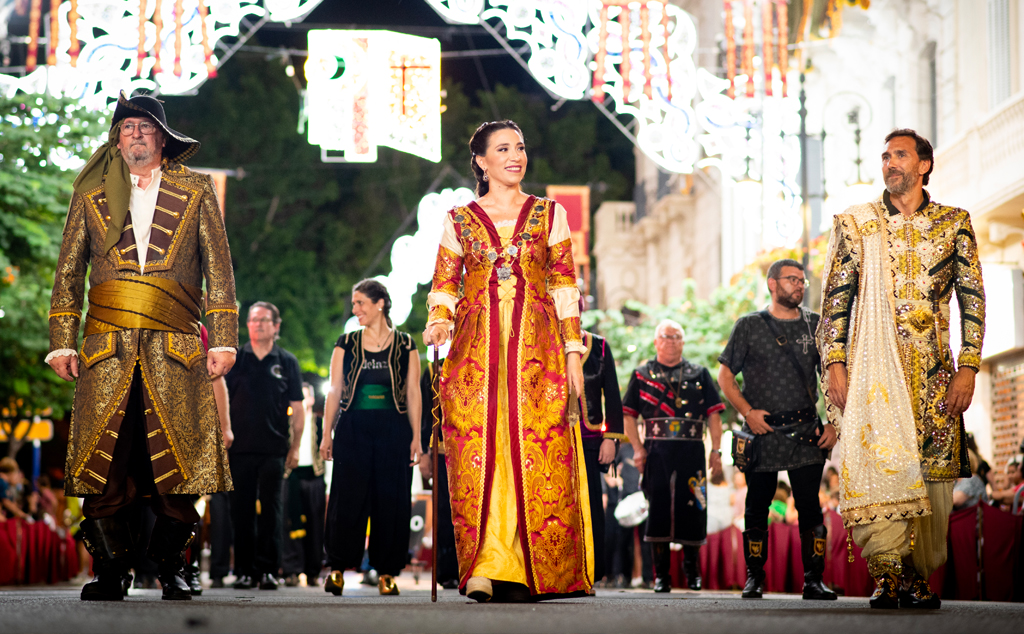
[
  {"x": 265, "y": 389},
  {"x": 768, "y": 347}
]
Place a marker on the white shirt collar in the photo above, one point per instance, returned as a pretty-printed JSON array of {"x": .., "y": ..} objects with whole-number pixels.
[{"x": 153, "y": 174}]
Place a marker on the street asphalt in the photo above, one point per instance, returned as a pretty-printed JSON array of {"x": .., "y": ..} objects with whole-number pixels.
[{"x": 361, "y": 609}]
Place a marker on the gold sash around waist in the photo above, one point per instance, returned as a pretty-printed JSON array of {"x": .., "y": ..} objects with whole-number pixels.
[{"x": 152, "y": 303}]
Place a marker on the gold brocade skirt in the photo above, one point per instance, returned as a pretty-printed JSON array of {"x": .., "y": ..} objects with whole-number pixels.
[{"x": 500, "y": 557}]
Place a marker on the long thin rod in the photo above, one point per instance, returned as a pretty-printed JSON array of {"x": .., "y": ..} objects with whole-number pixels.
[{"x": 434, "y": 447}]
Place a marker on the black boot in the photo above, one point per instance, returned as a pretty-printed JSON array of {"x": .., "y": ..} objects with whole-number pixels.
[
  {"x": 166, "y": 547},
  {"x": 914, "y": 591},
  {"x": 691, "y": 566},
  {"x": 886, "y": 569},
  {"x": 190, "y": 573},
  {"x": 755, "y": 551},
  {"x": 812, "y": 550},
  {"x": 109, "y": 541},
  {"x": 662, "y": 566}
]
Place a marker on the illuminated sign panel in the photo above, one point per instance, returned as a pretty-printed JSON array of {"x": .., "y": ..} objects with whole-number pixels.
[{"x": 371, "y": 88}]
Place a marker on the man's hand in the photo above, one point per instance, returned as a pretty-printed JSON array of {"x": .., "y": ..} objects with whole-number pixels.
[
  {"x": 218, "y": 363},
  {"x": 426, "y": 465},
  {"x": 639, "y": 458},
  {"x": 435, "y": 335},
  {"x": 828, "y": 438},
  {"x": 755, "y": 420},
  {"x": 292, "y": 460},
  {"x": 606, "y": 454},
  {"x": 715, "y": 460},
  {"x": 960, "y": 392},
  {"x": 839, "y": 383},
  {"x": 65, "y": 367}
]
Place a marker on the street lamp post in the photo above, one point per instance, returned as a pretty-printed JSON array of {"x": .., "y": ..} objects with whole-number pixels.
[{"x": 805, "y": 207}]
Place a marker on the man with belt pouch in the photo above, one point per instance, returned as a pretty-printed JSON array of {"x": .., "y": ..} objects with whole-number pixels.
[
  {"x": 775, "y": 350},
  {"x": 677, "y": 400}
]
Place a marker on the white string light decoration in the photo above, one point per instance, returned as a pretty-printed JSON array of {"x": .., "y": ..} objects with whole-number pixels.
[
  {"x": 576, "y": 52},
  {"x": 160, "y": 46}
]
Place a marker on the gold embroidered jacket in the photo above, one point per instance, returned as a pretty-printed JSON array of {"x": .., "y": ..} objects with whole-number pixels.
[
  {"x": 933, "y": 254},
  {"x": 188, "y": 245}
]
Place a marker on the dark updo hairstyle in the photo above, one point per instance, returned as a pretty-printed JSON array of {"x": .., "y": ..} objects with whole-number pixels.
[
  {"x": 376, "y": 292},
  {"x": 478, "y": 147}
]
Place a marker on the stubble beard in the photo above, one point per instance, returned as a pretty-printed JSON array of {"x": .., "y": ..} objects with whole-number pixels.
[
  {"x": 900, "y": 186},
  {"x": 138, "y": 155},
  {"x": 789, "y": 300}
]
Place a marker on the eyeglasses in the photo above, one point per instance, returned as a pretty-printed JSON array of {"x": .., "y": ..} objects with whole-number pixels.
[
  {"x": 145, "y": 127},
  {"x": 670, "y": 337},
  {"x": 260, "y": 320},
  {"x": 796, "y": 281}
]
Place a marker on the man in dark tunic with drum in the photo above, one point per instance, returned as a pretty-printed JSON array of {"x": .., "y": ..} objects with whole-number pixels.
[{"x": 677, "y": 400}]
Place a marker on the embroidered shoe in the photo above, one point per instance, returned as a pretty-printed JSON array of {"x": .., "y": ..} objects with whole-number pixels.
[
  {"x": 387, "y": 586},
  {"x": 916, "y": 594},
  {"x": 335, "y": 583},
  {"x": 884, "y": 597}
]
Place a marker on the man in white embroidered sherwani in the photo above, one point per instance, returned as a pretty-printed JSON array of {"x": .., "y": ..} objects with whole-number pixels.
[
  {"x": 893, "y": 391},
  {"x": 144, "y": 427}
]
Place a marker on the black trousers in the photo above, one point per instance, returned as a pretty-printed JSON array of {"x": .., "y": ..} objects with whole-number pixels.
[
  {"x": 130, "y": 478},
  {"x": 594, "y": 478},
  {"x": 222, "y": 535},
  {"x": 372, "y": 482},
  {"x": 257, "y": 539},
  {"x": 676, "y": 489},
  {"x": 447, "y": 556},
  {"x": 761, "y": 491},
  {"x": 304, "y": 553}
]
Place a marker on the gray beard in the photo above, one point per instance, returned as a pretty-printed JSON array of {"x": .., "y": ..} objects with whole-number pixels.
[
  {"x": 901, "y": 186},
  {"x": 138, "y": 156}
]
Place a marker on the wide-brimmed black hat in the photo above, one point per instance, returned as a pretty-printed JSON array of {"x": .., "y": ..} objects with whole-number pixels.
[{"x": 179, "y": 147}]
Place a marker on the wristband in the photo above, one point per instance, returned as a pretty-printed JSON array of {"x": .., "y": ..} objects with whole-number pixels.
[
  {"x": 717, "y": 451},
  {"x": 748, "y": 412}
]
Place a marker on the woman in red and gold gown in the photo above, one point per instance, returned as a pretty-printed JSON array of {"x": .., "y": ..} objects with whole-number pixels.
[{"x": 515, "y": 465}]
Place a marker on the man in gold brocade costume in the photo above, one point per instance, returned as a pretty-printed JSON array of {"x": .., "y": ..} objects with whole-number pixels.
[
  {"x": 893, "y": 392},
  {"x": 144, "y": 427}
]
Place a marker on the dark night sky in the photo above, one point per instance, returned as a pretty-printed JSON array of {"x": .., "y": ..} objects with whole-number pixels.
[{"x": 415, "y": 17}]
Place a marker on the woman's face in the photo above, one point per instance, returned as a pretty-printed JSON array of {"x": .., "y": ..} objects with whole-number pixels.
[
  {"x": 505, "y": 159},
  {"x": 366, "y": 311}
]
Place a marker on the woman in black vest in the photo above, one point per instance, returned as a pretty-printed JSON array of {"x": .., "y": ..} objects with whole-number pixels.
[{"x": 375, "y": 401}]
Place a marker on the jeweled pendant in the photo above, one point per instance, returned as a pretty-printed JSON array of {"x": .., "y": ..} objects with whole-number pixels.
[
  {"x": 492, "y": 256},
  {"x": 460, "y": 218},
  {"x": 512, "y": 250},
  {"x": 504, "y": 273}
]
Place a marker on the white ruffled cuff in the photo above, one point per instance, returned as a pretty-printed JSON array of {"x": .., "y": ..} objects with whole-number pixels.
[
  {"x": 575, "y": 346},
  {"x": 61, "y": 352},
  {"x": 223, "y": 349}
]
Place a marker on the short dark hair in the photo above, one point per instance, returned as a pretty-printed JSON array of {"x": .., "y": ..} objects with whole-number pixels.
[
  {"x": 924, "y": 148},
  {"x": 273, "y": 310},
  {"x": 776, "y": 268}
]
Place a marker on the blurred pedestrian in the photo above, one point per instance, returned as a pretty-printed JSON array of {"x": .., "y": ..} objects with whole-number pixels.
[
  {"x": 774, "y": 350},
  {"x": 305, "y": 503},
  {"x": 144, "y": 426},
  {"x": 10, "y": 482},
  {"x": 374, "y": 408},
  {"x": 677, "y": 400},
  {"x": 222, "y": 532},
  {"x": 601, "y": 432},
  {"x": 267, "y": 419},
  {"x": 447, "y": 557}
]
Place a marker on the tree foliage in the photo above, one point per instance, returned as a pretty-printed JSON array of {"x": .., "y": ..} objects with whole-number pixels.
[
  {"x": 707, "y": 324},
  {"x": 38, "y": 134}
]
